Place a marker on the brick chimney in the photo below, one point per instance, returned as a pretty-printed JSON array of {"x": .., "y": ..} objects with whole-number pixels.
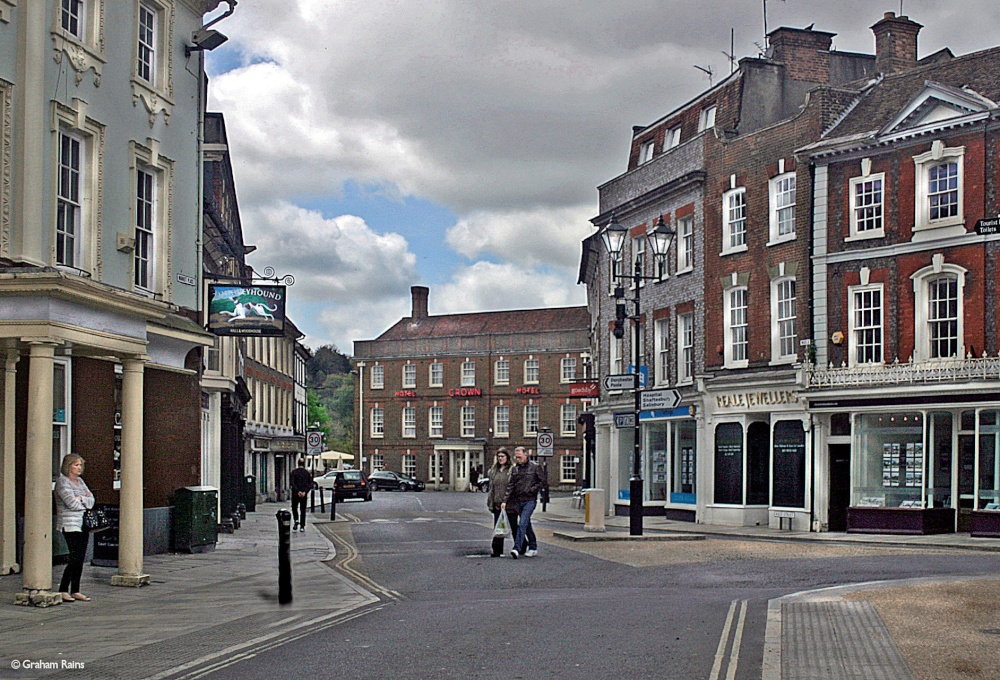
[
  {"x": 895, "y": 43},
  {"x": 804, "y": 52},
  {"x": 418, "y": 295}
]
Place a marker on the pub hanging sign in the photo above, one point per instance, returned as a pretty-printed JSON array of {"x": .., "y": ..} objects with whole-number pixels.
[{"x": 246, "y": 310}]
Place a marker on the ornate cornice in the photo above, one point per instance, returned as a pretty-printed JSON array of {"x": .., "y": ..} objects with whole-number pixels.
[
  {"x": 79, "y": 56},
  {"x": 5, "y": 7}
]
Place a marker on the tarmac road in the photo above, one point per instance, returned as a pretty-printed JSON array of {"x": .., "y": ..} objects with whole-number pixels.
[{"x": 692, "y": 609}]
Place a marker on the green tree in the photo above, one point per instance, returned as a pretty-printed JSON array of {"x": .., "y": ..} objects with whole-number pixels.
[{"x": 330, "y": 390}]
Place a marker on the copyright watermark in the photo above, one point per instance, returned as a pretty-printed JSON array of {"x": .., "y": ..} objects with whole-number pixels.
[{"x": 39, "y": 665}]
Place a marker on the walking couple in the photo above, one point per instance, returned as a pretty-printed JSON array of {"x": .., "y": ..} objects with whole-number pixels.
[{"x": 514, "y": 491}]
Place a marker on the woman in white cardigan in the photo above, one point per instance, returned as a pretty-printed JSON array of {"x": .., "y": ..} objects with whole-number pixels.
[{"x": 72, "y": 498}]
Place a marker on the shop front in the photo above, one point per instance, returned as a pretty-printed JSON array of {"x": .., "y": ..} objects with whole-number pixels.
[
  {"x": 757, "y": 471},
  {"x": 917, "y": 467}
]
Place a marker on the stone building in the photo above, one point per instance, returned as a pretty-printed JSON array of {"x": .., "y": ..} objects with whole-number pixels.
[{"x": 438, "y": 395}]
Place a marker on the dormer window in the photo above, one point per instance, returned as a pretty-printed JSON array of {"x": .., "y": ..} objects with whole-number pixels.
[
  {"x": 673, "y": 138},
  {"x": 646, "y": 152},
  {"x": 707, "y": 118}
]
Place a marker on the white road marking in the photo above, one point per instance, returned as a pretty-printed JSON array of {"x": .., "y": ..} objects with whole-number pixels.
[{"x": 740, "y": 607}]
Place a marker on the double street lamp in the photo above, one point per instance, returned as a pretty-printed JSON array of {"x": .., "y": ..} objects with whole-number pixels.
[{"x": 658, "y": 239}]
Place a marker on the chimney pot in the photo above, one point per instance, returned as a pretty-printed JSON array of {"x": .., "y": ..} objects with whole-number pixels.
[
  {"x": 418, "y": 297},
  {"x": 895, "y": 43}
]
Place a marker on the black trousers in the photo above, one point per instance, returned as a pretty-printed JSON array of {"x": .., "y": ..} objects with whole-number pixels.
[
  {"x": 77, "y": 542},
  {"x": 299, "y": 503},
  {"x": 498, "y": 540}
]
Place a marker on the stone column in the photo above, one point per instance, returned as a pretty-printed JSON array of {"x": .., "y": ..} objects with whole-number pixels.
[
  {"x": 8, "y": 511},
  {"x": 37, "y": 581},
  {"x": 130, "y": 514}
]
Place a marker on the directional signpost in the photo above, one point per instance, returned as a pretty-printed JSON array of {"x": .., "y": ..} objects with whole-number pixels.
[
  {"x": 622, "y": 381},
  {"x": 651, "y": 400}
]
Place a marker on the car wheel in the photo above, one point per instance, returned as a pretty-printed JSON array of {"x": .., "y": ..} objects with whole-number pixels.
[
  {"x": 403, "y": 487},
  {"x": 373, "y": 485}
]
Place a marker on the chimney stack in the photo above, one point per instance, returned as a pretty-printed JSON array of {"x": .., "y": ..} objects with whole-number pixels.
[
  {"x": 895, "y": 43},
  {"x": 418, "y": 295}
]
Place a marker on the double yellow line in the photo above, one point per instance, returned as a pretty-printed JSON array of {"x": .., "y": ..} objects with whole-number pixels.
[
  {"x": 346, "y": 555},
  {"x": 738, "y": 613}
]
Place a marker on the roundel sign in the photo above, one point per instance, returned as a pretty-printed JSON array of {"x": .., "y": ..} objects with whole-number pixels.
[
  {"x": 314, "y": 440},
  {"x": 544, "y": 442}
]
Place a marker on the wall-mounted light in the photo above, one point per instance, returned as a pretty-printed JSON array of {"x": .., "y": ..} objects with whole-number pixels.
[{"x": 204, "y": 39}]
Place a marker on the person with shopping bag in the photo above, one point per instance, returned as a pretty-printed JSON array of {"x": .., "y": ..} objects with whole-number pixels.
[
  {"x": 504, "y": 522},
  {"x": 73, "y": 498}
]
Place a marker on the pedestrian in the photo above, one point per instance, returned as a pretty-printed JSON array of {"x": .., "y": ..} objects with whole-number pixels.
[
  {"x": 473, "y": 478},
  {"x": 526, "y": 480},
  {"x": 72, "y": 498},
  {"x": 302, "y": 484},
  {"x": 499, "y": 475}
]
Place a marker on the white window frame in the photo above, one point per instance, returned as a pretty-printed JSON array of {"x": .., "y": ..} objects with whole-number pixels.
[
  {"x": 501, "y": 421},
  {"x": 409, "y": 376},
  {"x": 615, "y": 270},
  {"x": 706, "y": 119},
  {"x": 922, "y": 351},
  {"x": 639, "y": 255},
  {"x": 672, "y": 138},
  {"x": 152, "y": 58},
  {"x": 468, "y": 414},
  {"x": 70, "y": 12},
  {"x": 81, "y": 48},
  {"x": 532, "y": 371},
  {"x": 685, "y": 244},
  {"x": 567, "y": 419},
  {"x": 377, "y": 380},
  {"x": 377, "y": 420},
  {"x": 861, "y": 320},
  {"x": 435, "y": 374},
  {"x": 661, "y": 329},
  {"x": 734, "y": 225},
  {"x": 147, "y": 161},
  {"x": 148, "y": 32},
  {"x": 567, "y": 369},
  {"x": 736, "y": 327},
  {"x": 409, "y": 464},
  {"x": 616, "y": 351},
  {"x": 71, "y": 185},
  {"x": 145, "y": 262},
  {"x": 501, "y": 372},
  {"x": 377, "y": 462},
  {"x": 867, "y": 209},
  {"x": 435, "y": 421},
  {"x": 646, "y": 150},
  {"x": 90, "y": 135},
  {"x": 468, "y": 374},
  {"x": 784, "y": 344},
  {"x": 781, "y": 201},
  {"x": 925, "y": 228},
  {"x": 531, "y": 415},
  {"x": 409, "y": 422},
  {"x": 567, "y": 468},
  {"x": 685, "y": 348}
]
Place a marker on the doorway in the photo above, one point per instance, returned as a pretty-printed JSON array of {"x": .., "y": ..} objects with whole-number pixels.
[
  {"x": 966, "y": 481},
  {"x": 840, "y": 486}
]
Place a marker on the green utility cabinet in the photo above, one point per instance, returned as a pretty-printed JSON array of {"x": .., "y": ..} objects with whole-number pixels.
[{"x": 196, "y": 520}]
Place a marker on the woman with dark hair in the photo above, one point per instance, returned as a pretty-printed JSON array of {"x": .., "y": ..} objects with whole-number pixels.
[
  {"x": 499, "y": 475},
  {"x": 72, "y": 498}
]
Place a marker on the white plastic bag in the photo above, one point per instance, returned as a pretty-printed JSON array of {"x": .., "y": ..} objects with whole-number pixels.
[{"x": 502, "y": 528}]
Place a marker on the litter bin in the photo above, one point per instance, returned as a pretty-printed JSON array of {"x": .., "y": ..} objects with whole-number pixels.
[
  {"x": 196, "y": 523},
  {"x": 250, "y": 493}
]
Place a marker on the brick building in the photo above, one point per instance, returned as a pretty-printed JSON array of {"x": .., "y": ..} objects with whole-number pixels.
[
  {"x": 904, "y": 393},
  {"x": 438, "y": 395}
]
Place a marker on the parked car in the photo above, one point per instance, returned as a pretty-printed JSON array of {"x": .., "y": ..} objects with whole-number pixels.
[
  {"x": 346, "y": 484},
  {"x": 386, "y": 479},
  {"x": 483, "y": 484}
]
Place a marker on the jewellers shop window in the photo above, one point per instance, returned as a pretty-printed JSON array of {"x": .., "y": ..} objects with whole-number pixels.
[
  {"x": 889, "y": 467},
  {"x": 729, "y": 463},
  {"x": 758, "y": 463},
  {"x": 789, "y": 445}
]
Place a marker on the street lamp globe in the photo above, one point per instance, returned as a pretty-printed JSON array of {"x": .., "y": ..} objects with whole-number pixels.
[
  {"x": 660, "y": 237},
  {"x": 614, "y": 236}
]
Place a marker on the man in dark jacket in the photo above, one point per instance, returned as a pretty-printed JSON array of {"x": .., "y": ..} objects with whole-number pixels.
[
  {"x": 526, "y": 480},
  {"x": 302, "y": 484}
]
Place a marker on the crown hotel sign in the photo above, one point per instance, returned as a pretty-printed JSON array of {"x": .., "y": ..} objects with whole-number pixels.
[{"x": 246, "y": 310}]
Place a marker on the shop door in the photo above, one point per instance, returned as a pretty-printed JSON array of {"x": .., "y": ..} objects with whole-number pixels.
[
  {"x": 840, "y": 486},
  {"x": 966, "y": 480}
]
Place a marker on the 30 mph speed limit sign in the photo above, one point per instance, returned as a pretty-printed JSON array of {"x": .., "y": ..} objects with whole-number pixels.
[
  {"x": 314, "y": 443},
  {"x": 544, "y": 442}
]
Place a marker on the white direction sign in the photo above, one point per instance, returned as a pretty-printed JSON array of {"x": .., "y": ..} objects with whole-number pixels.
[
  {"x": 544, "y": 443},
  {"x": 622, "y": 381},
  {"x": 652, "y": 400}
]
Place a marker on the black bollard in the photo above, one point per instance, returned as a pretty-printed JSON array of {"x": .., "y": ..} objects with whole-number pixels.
[
  {"x": 284, "y": 556},
  {"x": 333, "y": 504}
]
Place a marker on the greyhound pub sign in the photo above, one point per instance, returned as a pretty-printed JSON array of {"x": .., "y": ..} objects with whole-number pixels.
[{"x": 246, "y": 310}]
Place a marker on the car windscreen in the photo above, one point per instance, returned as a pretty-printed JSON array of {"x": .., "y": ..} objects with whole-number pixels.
[{"x": 353, "y": 476}]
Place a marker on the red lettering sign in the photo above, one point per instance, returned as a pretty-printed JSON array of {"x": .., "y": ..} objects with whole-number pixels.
[
  {"x": 585, "y": 390},
  {"x": 528, "y": 390},
  {"x": 405, "y": 393},
  {"x": 465, "y": 392}
]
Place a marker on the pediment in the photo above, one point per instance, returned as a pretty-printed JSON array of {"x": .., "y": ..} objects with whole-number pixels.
[{"x": 937, "y": 103}]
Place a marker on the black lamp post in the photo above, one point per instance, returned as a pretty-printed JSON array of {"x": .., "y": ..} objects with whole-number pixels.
[{"x": 658, "y": 238}]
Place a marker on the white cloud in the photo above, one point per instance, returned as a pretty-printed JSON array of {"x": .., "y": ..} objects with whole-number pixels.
[{"x": 485, "y": 286}]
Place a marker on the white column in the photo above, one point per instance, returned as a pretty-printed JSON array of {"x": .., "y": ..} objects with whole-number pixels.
[
  {"x": 130, "y": 520},
  {"x": 8, "y": 511},
  {"x": 37, "y": 581}
]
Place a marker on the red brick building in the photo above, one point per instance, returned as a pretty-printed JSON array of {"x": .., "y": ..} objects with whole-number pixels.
[
  {"x": 904, "y": 393},
  {"x": 438, "y": 395}
]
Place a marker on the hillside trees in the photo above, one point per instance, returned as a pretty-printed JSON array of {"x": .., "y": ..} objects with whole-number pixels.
[{"x": 330, "y": 389}]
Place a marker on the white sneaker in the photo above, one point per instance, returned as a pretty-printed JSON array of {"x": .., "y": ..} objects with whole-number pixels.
[
  {"x": 531, "y": 553},
  {"x": 514, "y": 554}
]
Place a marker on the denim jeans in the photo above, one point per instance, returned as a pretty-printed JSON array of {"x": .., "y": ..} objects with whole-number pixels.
[{"x": 524, "y": 529}]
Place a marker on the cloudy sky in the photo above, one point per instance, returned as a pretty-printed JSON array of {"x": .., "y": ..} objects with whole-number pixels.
[{"x": 458, "y": 144}]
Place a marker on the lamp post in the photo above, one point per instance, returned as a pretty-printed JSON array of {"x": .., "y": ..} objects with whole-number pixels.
[{"x": 658, "y": 238}]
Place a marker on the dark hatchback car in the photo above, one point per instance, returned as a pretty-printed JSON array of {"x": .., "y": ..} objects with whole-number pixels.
[
  {"x": 386, "y": 479},
  {"x": 348, "y": 484}
]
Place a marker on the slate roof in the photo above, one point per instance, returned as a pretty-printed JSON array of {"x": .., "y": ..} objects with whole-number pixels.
[
  {"x": 495, "y": 323},
  {"x": 882, "y": 101}
]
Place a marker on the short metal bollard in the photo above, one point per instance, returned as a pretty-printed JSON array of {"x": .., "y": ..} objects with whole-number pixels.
[
  {"x": 242, "y": 509},
  {"x": 333, "y": 504},
  {"x": 284, "y": 556}
]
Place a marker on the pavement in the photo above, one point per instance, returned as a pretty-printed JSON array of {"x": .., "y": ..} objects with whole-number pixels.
[{"x": 205, "y": 611}]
